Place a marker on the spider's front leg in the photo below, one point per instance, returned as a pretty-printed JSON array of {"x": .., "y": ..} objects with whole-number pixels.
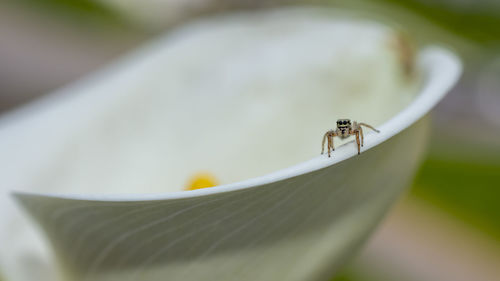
[
  {"x": 357, "y": 127},
  {"x": 328, "y": 137},
  {"x": 361, "y": 134},
  {"x": 357, "y": 140},
  {"x": 330, "y": 142},
  {"x": 323, "y": 144}
]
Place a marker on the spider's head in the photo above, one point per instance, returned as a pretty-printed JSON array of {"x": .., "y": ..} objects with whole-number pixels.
[{"x": 344, "y": 126}]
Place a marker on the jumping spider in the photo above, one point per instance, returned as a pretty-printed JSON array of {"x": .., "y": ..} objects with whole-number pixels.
[{"x": 344, "y": 130}]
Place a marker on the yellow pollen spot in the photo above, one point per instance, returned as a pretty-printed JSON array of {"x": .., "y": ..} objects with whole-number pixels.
[{"x": 201, "y": 180}]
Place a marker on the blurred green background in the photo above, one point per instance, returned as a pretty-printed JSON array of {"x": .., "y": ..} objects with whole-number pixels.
[{"x": 49, "y": 43}]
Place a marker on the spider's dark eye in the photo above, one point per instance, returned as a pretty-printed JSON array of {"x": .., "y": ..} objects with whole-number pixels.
[{"x": 345, "y": 122}]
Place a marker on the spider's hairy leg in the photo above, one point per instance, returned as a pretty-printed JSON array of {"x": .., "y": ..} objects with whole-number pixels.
[
  {"x": 323, "y": 143},
  {"x": 361, "y": 134},
  {"x": 331, "y": 142},
  {"x": 330, "y": 139},
  {"x": 366, "y": 125},
  {"x": 357, "y": 141},
  {"x": 328, "y": 136}
]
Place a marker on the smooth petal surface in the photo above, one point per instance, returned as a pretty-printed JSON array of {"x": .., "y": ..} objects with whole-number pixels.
[
  {"x": 170, "y": 109},
  {"x": 297, "y": 228}
]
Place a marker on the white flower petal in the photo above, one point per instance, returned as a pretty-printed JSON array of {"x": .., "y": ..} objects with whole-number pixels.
[{"x": 241, "y": 96}]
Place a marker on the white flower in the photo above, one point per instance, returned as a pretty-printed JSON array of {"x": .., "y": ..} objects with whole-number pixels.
[{"x": 246, "y": 97}]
